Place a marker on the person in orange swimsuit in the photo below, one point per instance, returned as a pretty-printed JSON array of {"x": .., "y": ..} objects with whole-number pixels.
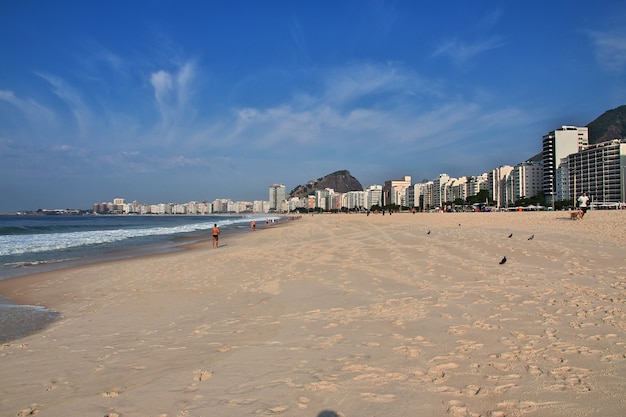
[{"x": 216, "y": 235}]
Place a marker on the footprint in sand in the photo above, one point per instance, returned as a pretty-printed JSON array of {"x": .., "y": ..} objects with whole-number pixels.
[
  {"x": 470, "y": 390},
  {"x": 303, "y": 403},
  {"x": 503, "y": 388},
  {"x": 378, "y": 398},
  {"x": 457, "y": 408},
  {"x": 111, "y": 394},
  {"x": 203, "y": 375},
  {"x": 30, "y": 411},
  {"x": 277, "y": 410}
]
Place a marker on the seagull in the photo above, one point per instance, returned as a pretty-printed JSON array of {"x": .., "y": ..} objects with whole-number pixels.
[
  {"x": 511, "y": 235},
  {"x": 532, "y": 237},
  {"x": 503, "y": 260}
]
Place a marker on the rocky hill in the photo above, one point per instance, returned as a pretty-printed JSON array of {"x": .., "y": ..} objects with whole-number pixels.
[
  {"x": 340, "y": 181},
  {"x": 610, "y": 125}
]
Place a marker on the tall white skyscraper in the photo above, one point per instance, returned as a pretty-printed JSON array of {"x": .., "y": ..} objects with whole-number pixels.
[
  {"x": 277, "y": 196},
  {"x": 557, "y": 145}
]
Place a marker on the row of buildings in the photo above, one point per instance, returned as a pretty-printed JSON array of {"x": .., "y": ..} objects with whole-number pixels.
[
  {"x": 568, "y": 166},
  {"x": 218, "y": 206}
]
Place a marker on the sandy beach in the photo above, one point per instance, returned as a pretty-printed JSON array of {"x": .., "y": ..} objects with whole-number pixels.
[{"x": 339, "y": 315}]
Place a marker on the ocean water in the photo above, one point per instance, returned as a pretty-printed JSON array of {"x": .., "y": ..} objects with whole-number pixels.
[{"x": 30, "y": 244}]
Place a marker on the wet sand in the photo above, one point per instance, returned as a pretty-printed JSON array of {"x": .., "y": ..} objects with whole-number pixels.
[{"x": 352, "y": 314}]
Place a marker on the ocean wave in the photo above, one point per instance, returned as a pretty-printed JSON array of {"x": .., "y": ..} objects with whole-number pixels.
[{"x": 44, "y": 242}]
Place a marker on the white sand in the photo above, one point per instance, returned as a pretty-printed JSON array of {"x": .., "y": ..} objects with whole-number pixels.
[{"x": 363, "y": 316}]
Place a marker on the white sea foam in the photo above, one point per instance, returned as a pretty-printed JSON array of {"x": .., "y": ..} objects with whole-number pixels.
[{"x": 36, "y": 243}]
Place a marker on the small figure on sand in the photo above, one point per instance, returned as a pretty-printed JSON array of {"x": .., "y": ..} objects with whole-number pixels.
[
  {"x": 253, "y": 225},
  {"x": 216, "y": 235},
  {"x": 583, "y": 203}
]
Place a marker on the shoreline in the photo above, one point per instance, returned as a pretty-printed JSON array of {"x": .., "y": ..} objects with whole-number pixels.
[
  {"x": 19, "y": 317},
  {"x": 361, "y": 315}
]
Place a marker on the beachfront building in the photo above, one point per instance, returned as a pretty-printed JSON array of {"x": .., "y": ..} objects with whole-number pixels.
[
  {"x": 497, "y": 184},
  {"x": 459, "y": 189},
  {"x": 420, "y": 195},
  {"x": 261, "y": 206},
  {"x": 394, "y": 191},
  {"x": 600, "y": 171},
  {"x": 477, "y": 183},
  {"x": 277, "y": 196},
  {"x": 438, "y": 198},
  {"x": 524, "y": 181},
  {"x": 425, "y": 194},
  {"x": 354, "y": 199},
  {"x": 373, "y": 196},
  {"x": 222, "y": 205},
  {"x": 336, "y": 201},
  {"x": 557, "y": 145},
  {"x": 323, "y": 199}
]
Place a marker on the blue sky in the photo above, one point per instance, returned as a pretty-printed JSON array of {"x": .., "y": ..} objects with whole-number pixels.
[{"x": 172, "y": 101}]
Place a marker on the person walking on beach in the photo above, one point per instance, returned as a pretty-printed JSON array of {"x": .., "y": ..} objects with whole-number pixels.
[
  {"x": 583, "y": 204},
  {"x": 216, "y": 235}
]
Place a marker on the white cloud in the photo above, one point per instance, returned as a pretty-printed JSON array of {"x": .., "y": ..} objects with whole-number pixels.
[
  {"x": 610, "y": 50},
  {"x": 462, "y": 52},
  {"x": 32, "y": 110},
  {"x": 172, "y": 91},
  {"x": 347, "y": 115},
  {"x": 79, "y": 110}
]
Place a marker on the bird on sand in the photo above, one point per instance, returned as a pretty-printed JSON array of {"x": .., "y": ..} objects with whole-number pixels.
[
  {"x": 532, "y": 237},
  {"x": 511, "y": 235},
  {"x": 503, "y": 260},
  {"x": 428, "y": 232}
]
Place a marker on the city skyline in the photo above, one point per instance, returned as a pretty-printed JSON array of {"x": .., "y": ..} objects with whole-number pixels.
[{"x": 211, "y": 100}]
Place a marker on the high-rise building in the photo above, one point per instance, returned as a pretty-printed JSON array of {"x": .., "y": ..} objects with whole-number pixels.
[
  {"x": 497, "y": 184},
  {"x": 600, "y": 171},
  {"x": 394, "y": 191},
  {"x": 374, "y": 196},
  {"x": 524, "y": 181},
  {"x": 438, "y": 185},
  {"x": 277, "y": 196},
  {"x": 557, "y": 145}
]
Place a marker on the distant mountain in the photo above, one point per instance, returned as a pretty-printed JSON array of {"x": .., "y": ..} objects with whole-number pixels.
[
  {"x": 610, "y": 125},
  {"x": 340, "y": 181}
]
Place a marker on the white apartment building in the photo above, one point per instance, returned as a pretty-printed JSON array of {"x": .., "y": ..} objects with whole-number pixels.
[
  {"x": 557, "y": 145},
  {"x": 497, "y": 184},
  {"x": 459, "y": 189},
  {"x": 525, "y": 180},
  {"x": 394, "y": 191},
  {"x": 261, "y": 206},
  {"x": 425, "y": 194},
  {"x": 222, "y": 205},
  {"x": 373, "y": 196},
  {"x": 438, "y": 197},
  {"x": 277, "y": 196},
  {"x": 323, "y": 198},
  {"x": 354, "y": 199}
]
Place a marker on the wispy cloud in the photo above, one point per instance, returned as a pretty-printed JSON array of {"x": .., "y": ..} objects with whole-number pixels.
[
  {"x": 461, "y": 52},
  {"x": 173, "y": 90},
  {"x": 610, "y": 49},
  {"x": 74, "y": 102},
  {"x": 33, "y": 111},
  {"x": 347, "y": 114}
]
